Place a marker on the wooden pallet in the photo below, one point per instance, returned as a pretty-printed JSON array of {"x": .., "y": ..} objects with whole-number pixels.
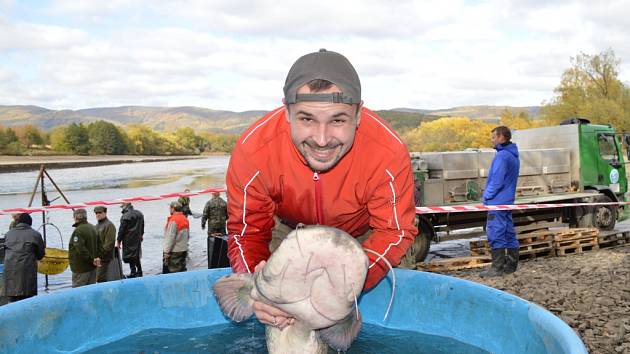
[
  {"x": 538, "y": 253},
  {"x": 611, "y": 239},
  {"x": 573, "y": 234},
  {"x": 567, "y": 250},
  {"x": 480, "y": 251},
  {"x": 575, "y": 242},
  {"x": 455, "y": 264},
  {"x": 525, "y": 238}
]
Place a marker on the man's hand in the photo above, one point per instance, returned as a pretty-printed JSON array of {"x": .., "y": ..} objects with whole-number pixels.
[
  {"x": 117, "y": 244},
  {"x": 268, "y": 314},
  {"x": 97, "y": 262},
  {"x": 166, "y": 255}
]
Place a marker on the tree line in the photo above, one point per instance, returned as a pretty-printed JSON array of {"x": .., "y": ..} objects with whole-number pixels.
[
  {"x": 590, "y": 88},
  {"x": 104, "y": 138}
]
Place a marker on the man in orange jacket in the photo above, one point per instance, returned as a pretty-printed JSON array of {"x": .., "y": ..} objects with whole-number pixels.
[
  {"x": 322, "y": 159},
  {"x": 175, "y": 243}
]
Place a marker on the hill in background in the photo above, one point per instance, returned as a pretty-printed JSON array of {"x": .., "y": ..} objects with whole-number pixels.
[
  {"x": 157, "y": 118},
  {"x": 217, "y": 121}
]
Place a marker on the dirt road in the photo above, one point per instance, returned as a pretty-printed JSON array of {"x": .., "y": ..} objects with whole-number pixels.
[{"x": 589, "y": 291}]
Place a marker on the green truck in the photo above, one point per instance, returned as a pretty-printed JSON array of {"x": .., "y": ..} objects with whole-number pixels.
[{"x": 574, "y": 162}]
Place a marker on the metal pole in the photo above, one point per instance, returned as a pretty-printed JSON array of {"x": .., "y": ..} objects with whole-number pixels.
[
  {"x": 44, "y": 203},
  {"x": 55, "y": 184},
  {"x": 39, "y": 175}
]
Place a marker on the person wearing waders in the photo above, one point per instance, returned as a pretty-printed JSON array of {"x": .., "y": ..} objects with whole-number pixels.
[
  {"x": 215, "y": 214},
  {"x": 500, "y": 190},
  {"x": 110, "y": 264},
  {"x": 175, "y": 243},
  {"x": 130, "y": 234}
]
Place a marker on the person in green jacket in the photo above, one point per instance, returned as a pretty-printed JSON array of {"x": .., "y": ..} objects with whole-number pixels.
[
  {"x": 83, "y": 250},
  {"x": 107, "y": 238}
]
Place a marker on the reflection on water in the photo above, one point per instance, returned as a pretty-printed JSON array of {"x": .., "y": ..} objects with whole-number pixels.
[
  {"x": 99, "y": 177},
  {"x": 249, "y": 337},
  {"x": 114, "y": 182}
]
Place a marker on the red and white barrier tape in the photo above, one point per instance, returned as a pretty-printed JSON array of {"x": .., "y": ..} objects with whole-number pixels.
[
  {"x": 481, "y": 207},
  {"x": 109, "y": 202},
  {"x": 419, "y": 210}
]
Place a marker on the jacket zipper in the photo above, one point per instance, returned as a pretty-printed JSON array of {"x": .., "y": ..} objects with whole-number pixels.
[{"x": 318, "y": 199}]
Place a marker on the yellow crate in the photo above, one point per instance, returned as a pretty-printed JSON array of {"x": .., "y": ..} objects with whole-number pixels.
[{"x": 54, "y": 262}]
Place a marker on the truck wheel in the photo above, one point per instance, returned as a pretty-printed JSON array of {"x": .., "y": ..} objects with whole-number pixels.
[
  {"x": 420, "y": 247},
  {"x": 602, "y": 217}
]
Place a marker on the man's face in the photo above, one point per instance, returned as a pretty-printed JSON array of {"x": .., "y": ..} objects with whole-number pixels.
[
  {"x": 100, "y": 215},
  {"x": 323, "y": 132},
  {"x": 497, "y": 139}
]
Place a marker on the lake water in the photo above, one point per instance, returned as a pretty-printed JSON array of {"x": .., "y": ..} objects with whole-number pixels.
[
  {"x": 119, "y": 181},
  {"x": 249, "y": 338}
]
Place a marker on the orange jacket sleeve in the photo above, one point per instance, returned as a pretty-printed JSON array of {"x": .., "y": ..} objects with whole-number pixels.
[
  {"x": 250, "y": 214},
  {"x": 392, "y": 218}
]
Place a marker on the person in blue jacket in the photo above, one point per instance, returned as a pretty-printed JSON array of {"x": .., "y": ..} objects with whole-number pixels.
[{"x": 500, "y": 190}]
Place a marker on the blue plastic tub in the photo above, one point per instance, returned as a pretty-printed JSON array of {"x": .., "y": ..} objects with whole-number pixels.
[{"x": 433, "y": 304}]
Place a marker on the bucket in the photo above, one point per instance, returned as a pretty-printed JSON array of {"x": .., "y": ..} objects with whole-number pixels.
[{"x": 54, "y": 262}]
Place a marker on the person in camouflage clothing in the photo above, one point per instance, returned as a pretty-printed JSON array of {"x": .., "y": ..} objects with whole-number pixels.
[
  {"x": 107, "y": 238},
  {"x": 83, "y": 250},
  {"x": 185, "y": 202},
  {"x": 215, "y": 214}
]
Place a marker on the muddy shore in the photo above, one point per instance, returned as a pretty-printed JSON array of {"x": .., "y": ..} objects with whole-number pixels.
[
  {"x": 32, "y": 163},
  {"x": 589, "y": 291}
]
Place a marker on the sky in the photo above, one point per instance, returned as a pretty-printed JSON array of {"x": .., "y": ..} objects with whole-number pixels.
[{"x": 235, "y": 54}]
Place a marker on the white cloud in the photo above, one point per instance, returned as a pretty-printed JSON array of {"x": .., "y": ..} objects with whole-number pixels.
[{"x": 234, "y": 54}]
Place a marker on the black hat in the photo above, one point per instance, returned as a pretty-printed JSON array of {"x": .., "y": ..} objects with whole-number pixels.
[
  {"x": 323, "y": 65},
  {"x": 24, "y": 218}
]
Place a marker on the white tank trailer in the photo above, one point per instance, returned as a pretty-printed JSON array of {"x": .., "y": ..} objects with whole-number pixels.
[{"x": 573, "y": 162}]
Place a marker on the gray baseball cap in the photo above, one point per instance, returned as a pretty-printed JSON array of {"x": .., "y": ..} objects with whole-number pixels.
[{"x": 323, "y": 65}]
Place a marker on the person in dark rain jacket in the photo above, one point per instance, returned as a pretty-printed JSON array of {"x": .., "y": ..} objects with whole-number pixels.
[
  {"x": 130, "y": 234},
  {"x": 24, "y": 247}
]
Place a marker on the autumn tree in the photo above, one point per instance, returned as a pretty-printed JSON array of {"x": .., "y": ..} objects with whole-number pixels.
[
  {"x": 449, "y": 134},
  {"x": 220, "y": 142},
  {"x": 9, "y": 143},
  {"x": 29, "y": 135},
  {"x": 591, "y": 89},
  {"x": 106, "y": 139},
  {"x": 145, "y": 141},
  {"x": 518, "y": 119},
  {"x": 7, "y": 136},
  {"x": 76, "y": 139}
]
